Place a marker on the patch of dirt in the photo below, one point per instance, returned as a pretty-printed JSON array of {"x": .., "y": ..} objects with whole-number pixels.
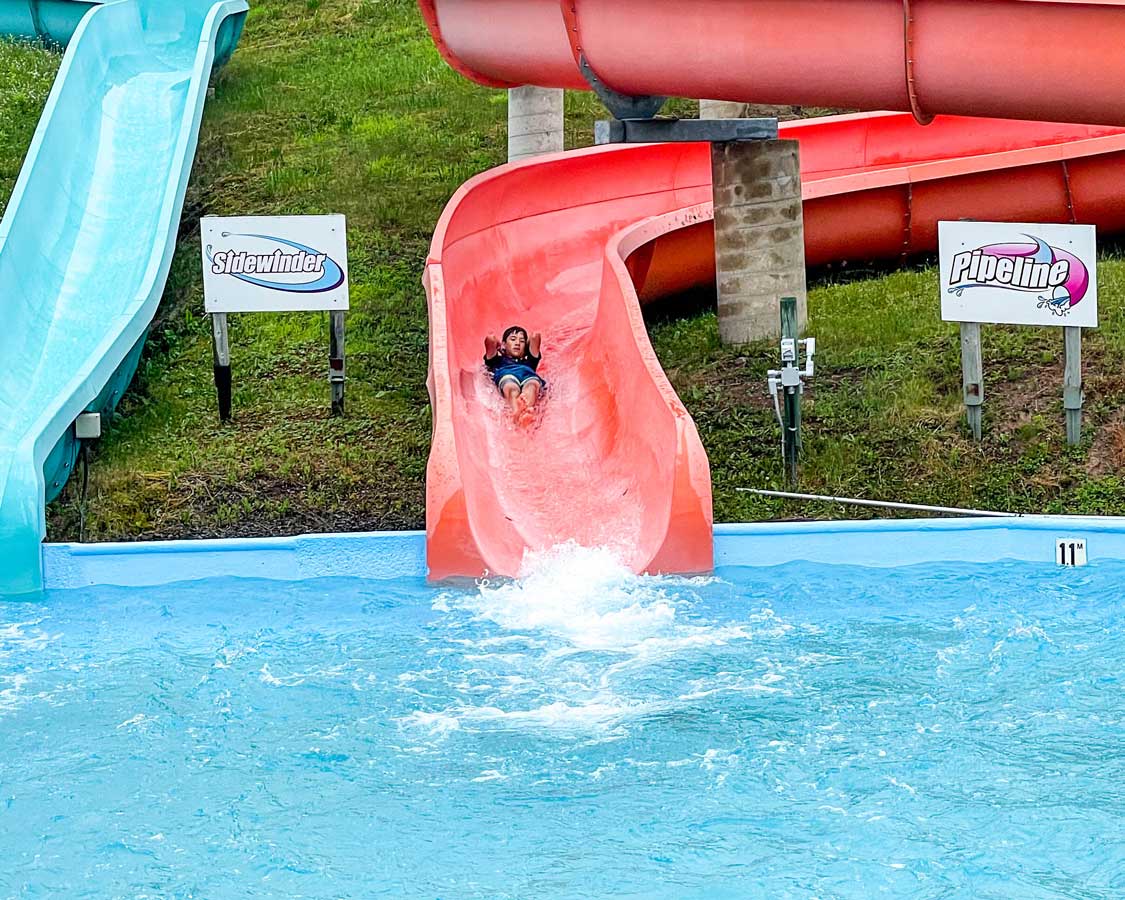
[
  {"x": 1013, "y": 404},
  {"x": 270, "y": 505},
  {"x": 1107, "y": 451},
  {"x": 833, "y": 379},
  {"x": 789, "y": 113},
  {"x": 741, "y": 384},
  {"x": 737, "y": 383}
]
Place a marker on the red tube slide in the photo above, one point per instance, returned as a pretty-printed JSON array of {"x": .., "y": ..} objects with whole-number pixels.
[{"x": 1055, "y": 60}]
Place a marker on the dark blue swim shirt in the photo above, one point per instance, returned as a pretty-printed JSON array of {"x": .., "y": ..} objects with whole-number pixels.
[{"x": 521, "y": 369}]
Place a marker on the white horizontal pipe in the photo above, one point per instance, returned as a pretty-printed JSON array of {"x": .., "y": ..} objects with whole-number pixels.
[{"x": 882, "y": 504}]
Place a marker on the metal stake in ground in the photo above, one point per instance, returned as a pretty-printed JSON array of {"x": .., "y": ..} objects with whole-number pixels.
[
  {"x": 1072, "y": 384},
  {"x": 221, "y": 340},
  {"x": 336, "y": 362},
  {"x": 972, "y": 370}
]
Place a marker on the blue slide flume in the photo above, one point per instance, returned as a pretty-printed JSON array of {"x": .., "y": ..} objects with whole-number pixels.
[{"x": 89, "y": 232}]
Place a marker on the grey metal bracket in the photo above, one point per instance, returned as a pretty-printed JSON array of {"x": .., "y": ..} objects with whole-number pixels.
[
  {"x": 655, "y": 131},
  {"x": 622, "y": 106}
]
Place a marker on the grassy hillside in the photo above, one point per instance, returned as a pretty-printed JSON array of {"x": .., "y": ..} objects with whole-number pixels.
[
  {"x": 344, "y": 106},
  {"x": 26, "y": 74}
]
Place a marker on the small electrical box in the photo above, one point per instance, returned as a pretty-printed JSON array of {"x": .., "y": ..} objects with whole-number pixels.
[{"x": 88, "y": 426}]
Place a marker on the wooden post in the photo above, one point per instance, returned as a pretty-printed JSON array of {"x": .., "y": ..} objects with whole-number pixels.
[
  {"x": 1072, "y": 384},
  {"x": 221, "y": 341},
  {"x": 336, "y": 361},
  {"x": 972, "y": 370}
]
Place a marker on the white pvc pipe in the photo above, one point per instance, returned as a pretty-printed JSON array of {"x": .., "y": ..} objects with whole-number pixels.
[{"x": 882, "y": 504}]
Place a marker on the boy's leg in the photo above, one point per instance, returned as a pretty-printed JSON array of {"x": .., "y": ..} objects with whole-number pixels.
[
  {"x": 511, "y": 391},
  {"x": 530, "y": 393}
]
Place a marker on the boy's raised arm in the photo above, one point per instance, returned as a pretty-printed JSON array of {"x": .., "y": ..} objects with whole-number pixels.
[
  {"x": 533, "y": 343},
  {"x": 491, "y": 346}
]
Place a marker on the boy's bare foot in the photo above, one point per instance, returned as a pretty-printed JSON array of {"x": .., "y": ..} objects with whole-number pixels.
[
  {"x": 526, "y": 416},
  {"x": 523, "y": 413}
]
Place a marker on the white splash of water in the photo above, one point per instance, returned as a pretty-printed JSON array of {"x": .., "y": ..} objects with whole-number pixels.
[
  {"x": 579, "y": 635},
  {"x": 24, "y": 636},
  {"x": 585, "y": 597},
  {"x": 599, "y": 715},
  {"x": 11, "y": 688}
]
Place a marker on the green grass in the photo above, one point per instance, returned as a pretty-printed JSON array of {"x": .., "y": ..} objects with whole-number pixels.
[
  {"x": 344, "y": 106},
  {"x": 26, "y": 74}
]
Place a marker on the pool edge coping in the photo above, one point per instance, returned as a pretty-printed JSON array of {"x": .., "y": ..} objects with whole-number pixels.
[{"x": 394, "y": 554}]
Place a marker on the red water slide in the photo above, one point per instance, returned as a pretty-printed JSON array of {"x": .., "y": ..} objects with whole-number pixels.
[
  {"x": 1048, "y": 60},
  {"x": 569, "y": 244}
]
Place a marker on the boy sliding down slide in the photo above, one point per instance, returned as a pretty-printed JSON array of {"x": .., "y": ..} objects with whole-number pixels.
[{"x": 513, "y": 361}]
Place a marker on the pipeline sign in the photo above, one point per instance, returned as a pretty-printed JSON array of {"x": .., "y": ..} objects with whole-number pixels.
[
  {"x": 274, "y": 263},
  {"x": 1019, "y": 274}
]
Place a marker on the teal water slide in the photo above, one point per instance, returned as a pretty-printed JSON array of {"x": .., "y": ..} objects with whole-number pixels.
[{"x": 89, "y": 232}]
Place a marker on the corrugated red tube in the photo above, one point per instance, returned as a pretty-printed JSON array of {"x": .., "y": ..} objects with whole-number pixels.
[{"x": 1052, "y": 60}]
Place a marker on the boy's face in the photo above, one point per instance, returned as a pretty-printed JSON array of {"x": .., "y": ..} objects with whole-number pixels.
[{"x": 516, "y": 344}]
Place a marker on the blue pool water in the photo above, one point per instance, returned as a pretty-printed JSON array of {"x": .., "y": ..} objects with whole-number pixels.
[{"x": 798, "y": 732}]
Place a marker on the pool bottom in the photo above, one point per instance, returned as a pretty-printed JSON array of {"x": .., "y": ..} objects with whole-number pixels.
[{"x": 799, "y": 731}]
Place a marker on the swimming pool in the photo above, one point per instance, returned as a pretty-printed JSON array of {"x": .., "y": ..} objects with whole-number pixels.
[{"x": 812, "y": 729}]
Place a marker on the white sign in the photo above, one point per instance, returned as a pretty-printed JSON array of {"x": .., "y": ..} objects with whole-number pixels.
[
  {"x": 1019, "y": 274},
  {"x": 1070, "y": 551},
  {"x": 274, "y": 263}
]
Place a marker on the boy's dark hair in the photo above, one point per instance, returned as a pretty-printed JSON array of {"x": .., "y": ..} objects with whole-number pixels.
[{"x": 513, "y": 330}]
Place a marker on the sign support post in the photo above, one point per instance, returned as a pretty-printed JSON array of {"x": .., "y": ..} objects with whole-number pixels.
[
  {"x": 1072, "y": 385},
  {"x": 336, "y": 361},
  {"x": 972, "y": 372},
  {"x": 221, "y": 345}
]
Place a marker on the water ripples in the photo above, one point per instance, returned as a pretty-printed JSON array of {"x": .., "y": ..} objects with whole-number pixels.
[{"x": 804, "y": 731}]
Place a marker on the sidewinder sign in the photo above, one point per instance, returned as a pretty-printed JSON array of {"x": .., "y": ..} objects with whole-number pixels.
[{"x": 274, "y": 263}]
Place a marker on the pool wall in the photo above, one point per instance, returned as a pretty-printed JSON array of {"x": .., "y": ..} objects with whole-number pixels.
[{"x": 397, "y": 554}]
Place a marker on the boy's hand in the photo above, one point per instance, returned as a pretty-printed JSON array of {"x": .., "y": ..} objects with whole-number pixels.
[
  {"x": 491, "y": 345},
  {"x": 534, "y": 341}
]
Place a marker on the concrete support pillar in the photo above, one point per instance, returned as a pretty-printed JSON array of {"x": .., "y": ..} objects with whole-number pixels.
[
  {"x": 535, "y": 122},
  {"x": 723, "y": 109},
  {"x": 759, "y": 237}
]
